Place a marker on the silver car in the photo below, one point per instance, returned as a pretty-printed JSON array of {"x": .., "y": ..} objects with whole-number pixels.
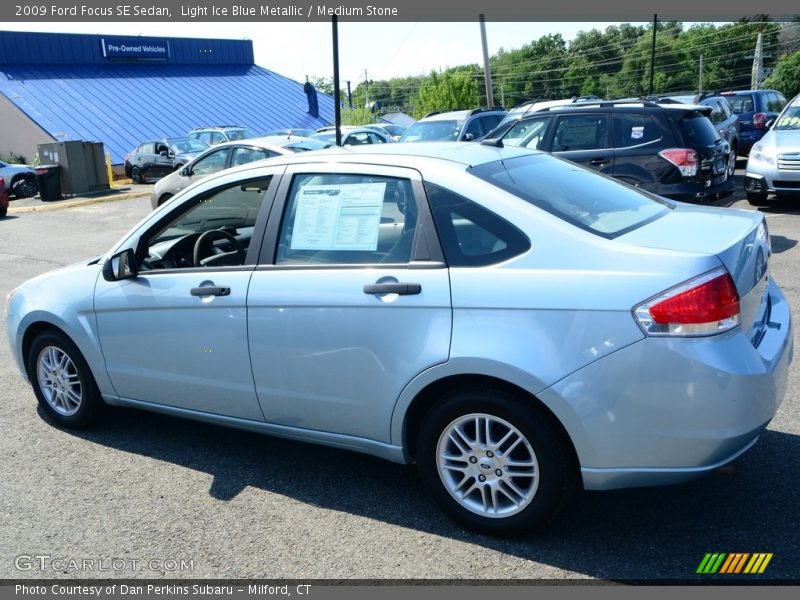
[
  {"x": 773, "y": 166},
  {"x": 226, "y": 155},
  {"x": 515, "y": 324}
]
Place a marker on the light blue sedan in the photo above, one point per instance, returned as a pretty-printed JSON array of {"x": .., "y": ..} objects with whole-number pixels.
[{"x": 515, "y": 324}]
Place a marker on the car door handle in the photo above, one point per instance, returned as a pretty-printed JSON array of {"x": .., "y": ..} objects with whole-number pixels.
[
  {"x": 211, "y": 290},
  {"x": 598, "y": 161},
  {"x": 401, "y": 289}
]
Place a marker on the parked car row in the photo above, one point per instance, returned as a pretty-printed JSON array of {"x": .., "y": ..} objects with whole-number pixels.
[
  {"x": 681, "y": 147},
  {"x": 226, "y": 155}
]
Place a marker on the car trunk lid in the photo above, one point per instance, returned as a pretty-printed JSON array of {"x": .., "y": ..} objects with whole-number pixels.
[{"x": 739, "y": 239}]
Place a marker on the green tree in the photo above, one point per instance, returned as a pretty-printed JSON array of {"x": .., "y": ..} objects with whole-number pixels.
[
  {"x": 786, "y": 77},
  {"x": 446, "y": 91}
]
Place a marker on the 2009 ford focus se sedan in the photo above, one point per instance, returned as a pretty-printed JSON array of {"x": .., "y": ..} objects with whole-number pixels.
[{"x": 515, "y": 324}]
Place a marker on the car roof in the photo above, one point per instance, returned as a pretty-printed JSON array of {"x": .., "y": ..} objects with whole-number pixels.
[{"x": 416, "y": 156}]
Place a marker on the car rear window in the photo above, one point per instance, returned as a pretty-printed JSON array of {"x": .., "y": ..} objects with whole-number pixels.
[
  {"x": 698, "y": 130},
  {"x": 437, "y": 130},
  {"x": 579, "y": 196}
]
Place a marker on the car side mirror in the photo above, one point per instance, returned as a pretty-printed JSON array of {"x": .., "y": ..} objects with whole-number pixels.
[
  {"x": 164, "y": 153},
  {"x": 185, "y": 172},
  {"x": 468, "y": 137},
  {"x": 120, "y": 266}
]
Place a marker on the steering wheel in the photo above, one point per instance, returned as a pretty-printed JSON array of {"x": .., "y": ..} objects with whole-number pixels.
[{"x": 203, "y": 243}]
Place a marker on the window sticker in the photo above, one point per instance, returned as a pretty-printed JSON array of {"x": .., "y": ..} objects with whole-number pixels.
[
  {"x": 338, "y": 217},
  {"x": 637, "y": 133}
]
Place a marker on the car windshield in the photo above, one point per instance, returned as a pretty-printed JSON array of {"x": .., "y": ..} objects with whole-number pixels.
[
  {"x": 328, "y": 137},
  {"x": 426, "y": 131},
  {"x": 790, "y": 119},
  {"x": 240, "y": 134},
  {"x": 579, "y": 196},
  {"x": 393, "y": 129},
  {"x": 182, "y": 145}
]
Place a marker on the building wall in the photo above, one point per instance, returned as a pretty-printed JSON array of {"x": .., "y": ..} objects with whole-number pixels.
[{"x": 19, "y": 134}]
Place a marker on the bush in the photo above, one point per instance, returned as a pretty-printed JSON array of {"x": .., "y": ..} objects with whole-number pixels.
[
  {"x": 786, "y": 77},
  {"x": 14, "y": 158}
]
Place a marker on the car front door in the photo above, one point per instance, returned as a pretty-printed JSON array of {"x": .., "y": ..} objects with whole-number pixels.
[
  {"x": 350, "y": 301},
  {"x": 176, "y": 334},
  {"x": 584, "y": 139}
]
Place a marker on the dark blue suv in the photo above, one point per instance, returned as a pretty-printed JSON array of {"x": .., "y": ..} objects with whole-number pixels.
[{"x": 753, "y": 109}]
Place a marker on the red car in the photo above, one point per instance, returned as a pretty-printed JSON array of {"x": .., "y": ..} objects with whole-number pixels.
[{"x": 3, "y": 198}]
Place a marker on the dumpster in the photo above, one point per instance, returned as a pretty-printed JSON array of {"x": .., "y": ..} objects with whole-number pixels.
[{"x": 49, "y": 179}]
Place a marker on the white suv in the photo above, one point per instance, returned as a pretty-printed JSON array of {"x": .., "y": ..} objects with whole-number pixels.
[
  {"x": 455, "y": 125},
  {"x": 221, "y": 133}
]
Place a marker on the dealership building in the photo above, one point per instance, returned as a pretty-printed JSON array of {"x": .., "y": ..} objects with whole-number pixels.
[{"x": 122, "y": 91}]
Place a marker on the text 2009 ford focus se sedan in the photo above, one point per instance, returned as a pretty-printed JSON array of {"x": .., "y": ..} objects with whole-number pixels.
[{"x": 513, "y": 323}]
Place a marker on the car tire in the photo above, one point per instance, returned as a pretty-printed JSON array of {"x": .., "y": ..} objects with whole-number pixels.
[
  {"x": 3, "y": 211},
  {"x": 62, "y": 380},
  {"x": 732, "y": 161},
  {"x": 164, "y": 198},
  {"x": 24, "y": 187},
  {"x": 136, "y": 175},
  {"x": 756, "y": 199},
  {"x": 509, "y": 481}
]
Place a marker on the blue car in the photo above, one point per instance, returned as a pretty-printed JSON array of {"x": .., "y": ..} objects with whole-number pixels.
[
  {"x": 517, "y": 325},
  {"x": 754, "y": 108}
]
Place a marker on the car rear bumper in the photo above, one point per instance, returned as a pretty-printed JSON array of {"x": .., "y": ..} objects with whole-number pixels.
[
  {"x": 696, "y": 191},
  {"x": 664, "y": 410}
]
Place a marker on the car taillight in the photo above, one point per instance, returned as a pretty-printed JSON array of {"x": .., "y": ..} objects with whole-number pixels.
[
  {"x": 683, "y": 158},
  {"x": 759, "y": 120},
  {"x": 702, "y": 306},
  {"x": 127, "y": 156},
  {"x": 2, "y": 181}
]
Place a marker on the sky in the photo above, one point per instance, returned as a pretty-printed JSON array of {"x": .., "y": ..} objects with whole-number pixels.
[{"x": 381, "y": 50}]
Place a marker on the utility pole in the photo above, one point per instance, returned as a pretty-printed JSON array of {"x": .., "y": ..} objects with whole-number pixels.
[
  {"x": 653, "y": 55},
  {"x": 487, "y": 71},
  {"x": 757, "y": 75},
  {"x": 502, "y": 95},
  {"x": 700, "y": 84},
  {"x": 337, "y": 93},
  {"x": 349, "y": 96}
]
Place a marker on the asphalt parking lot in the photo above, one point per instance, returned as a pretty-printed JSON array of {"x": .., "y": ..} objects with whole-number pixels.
[{"x": 143, "y": 495}]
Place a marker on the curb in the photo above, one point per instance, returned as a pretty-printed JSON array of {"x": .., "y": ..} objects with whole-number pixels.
[{"x": 57, "y": 205}]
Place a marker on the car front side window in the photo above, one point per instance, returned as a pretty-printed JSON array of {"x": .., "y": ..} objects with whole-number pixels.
[
  {"x": 213, "y": 230},
  {"x": 211, "y": 163}
]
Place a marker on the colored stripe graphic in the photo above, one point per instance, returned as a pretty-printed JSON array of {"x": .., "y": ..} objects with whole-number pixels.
[
  {"x": 711, "y": 562},
  {"x": 734, "y": 563},
  {"x": 758, "y": 563}
]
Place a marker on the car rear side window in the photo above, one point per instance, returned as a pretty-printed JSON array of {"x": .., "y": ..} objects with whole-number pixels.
[
  {"x": 697, "y": 130},
  {"x": 348, "y": 220},
  {"x": 775, "y": 102},
  {"x": 579, "y": 196},
  {"x": 635, "y": 129},
  {"x": 471, "y": 235}
]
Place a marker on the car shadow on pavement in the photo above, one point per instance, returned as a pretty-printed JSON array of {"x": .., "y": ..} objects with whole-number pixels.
[{"x": 645, "y": 534}]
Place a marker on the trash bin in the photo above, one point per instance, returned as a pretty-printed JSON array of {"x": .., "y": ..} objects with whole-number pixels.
[{"x": 49, "y": 179}]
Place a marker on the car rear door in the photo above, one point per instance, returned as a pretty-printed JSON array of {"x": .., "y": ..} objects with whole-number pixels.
[
  {"x": 584, "y": 138},
  {"x": 350, "y": 301}
]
